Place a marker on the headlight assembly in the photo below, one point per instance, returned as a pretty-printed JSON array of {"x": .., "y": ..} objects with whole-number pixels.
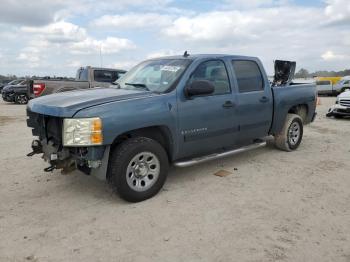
[{"x": 82, "y": 131}]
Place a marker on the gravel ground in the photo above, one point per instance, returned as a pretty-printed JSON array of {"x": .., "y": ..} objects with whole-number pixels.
[{"x": 275, "y": 206}]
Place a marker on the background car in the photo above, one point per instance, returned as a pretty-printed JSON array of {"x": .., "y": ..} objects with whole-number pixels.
[{"x": 16, "y": 93}]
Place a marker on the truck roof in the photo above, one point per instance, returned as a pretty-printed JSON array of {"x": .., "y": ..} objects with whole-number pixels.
[
  {"x": 201, "y": 56},
  {"x": 105, "y": 68}
]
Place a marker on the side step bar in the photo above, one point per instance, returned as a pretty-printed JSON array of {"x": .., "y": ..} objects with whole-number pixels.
[{"x": 198, "y": 160}]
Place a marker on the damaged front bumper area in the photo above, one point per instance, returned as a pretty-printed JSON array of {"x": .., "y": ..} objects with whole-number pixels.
[
  {"x": 91, "y": 160},
  {"x": 338, "y": 110}
]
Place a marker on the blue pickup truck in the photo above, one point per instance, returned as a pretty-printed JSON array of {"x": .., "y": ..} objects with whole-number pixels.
[{"x": 179, "y": 110}]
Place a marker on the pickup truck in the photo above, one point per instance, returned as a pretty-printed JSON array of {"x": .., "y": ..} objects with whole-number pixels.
[
  {"x": 179, "y": 110},
  {"x": 86, "y": 77}
]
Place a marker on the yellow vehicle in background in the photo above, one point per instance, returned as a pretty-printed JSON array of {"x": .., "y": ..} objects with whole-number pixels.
[
  {"x": 327, "y": 85},
  {"x": 333, "y": 79}
]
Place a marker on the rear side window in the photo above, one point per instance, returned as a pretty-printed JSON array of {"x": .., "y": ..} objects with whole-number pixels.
[
  {"x": 323, "y": 83},
  {"x": 214, "y": 71},
  {"x": 248, "y": 76},
  {"x": 105, "y": 76}
]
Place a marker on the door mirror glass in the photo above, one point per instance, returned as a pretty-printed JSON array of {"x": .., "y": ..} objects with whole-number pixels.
[{"x": 199, "y": 87}]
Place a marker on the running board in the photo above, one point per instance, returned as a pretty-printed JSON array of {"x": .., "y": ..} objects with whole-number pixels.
[{"x": 198, "y": 160}]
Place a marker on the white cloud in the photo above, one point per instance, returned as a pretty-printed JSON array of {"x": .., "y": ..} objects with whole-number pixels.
[
  {"x": 110, "y": 45},
  {"x": 338, "y": 11},
  {"x": 162, "y": 53},
  {"x": 250, "y": 3},
  {"x": 214, "y": 26},
  {"x": 74, "y": 63},
  {"x": 133, "y": 20},
  {"x": 24, "y": 12},
  {"x": 330, "y": 55},
  {"x": 58, "y": 32},
  {"x": 316, "y": 37}
]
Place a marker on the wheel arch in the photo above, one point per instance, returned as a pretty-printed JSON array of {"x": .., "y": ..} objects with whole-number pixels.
[
  {"x": 161, "y": 134},
  {"x": 302, "y": 110}
]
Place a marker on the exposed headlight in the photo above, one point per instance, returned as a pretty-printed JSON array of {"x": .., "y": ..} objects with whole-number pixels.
[
  {"x": 337, "y": 100},
  {"x": 82, "y": 131}
]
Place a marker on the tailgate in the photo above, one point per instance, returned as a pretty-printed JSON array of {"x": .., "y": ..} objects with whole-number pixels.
[{"x": 30, "y": 91}]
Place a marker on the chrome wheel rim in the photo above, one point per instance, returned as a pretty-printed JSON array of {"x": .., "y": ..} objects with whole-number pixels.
[
  {"x": 143, "y": 171},
  {"x": 22, "y": 99},
  {"x": 294, "y": 133}
]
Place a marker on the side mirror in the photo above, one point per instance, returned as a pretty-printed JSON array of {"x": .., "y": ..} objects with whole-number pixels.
[{"x": 199, "y": 87}]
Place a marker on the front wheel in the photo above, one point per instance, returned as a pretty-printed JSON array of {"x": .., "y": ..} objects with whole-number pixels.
[
  {"x": 21, "y": 99},
  {"x": 291, "y": 134},
  {"x": 138, "y": 168}
]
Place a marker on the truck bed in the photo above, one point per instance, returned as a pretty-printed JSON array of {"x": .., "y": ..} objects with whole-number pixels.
[{"x": 56, "y": 86}]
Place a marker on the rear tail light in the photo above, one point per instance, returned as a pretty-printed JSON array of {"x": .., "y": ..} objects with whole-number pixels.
[{"x": 38, "y": 89}]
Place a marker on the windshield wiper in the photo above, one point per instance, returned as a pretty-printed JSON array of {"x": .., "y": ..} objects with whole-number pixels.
[{"x": 143, "y": 86}]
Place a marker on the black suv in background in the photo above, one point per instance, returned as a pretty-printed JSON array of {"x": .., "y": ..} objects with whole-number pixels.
[{"x": 16, "y": 92}]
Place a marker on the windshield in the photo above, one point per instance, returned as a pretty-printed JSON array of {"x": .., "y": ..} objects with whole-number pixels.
[
  {"x": 15, "y": 82},
  {"x": 154, "y": 75}
]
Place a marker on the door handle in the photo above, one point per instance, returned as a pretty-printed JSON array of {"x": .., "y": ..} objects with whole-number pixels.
[
  {"x": 264, "y": 99},
  {"x": 228, "y": 104}
]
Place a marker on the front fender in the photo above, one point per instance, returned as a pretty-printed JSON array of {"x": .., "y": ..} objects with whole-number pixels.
[{"x": 123, "y": 116}]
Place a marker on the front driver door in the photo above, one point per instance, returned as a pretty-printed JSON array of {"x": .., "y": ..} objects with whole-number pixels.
[{"x": 206, "y": 123}]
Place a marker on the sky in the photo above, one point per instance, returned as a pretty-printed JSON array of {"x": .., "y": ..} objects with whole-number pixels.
[{"x": 55, "y": 37}]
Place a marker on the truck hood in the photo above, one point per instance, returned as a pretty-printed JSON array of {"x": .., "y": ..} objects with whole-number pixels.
[
  {"x": 345, "y": 94},
  {"x": 66, "y": 104}
]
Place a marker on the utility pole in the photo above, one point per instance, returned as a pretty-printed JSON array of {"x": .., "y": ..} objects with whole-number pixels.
[{"x": 101, "y": 54}]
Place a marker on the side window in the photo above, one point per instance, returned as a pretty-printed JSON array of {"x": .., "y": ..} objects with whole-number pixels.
[
  {"x": 346, "y": 82},
  {"x": 215, "y": 72},
  {"x": 120, "y": 74},
  {"x": 248, "y": 76},
  {"x": 104, "y": 76}
]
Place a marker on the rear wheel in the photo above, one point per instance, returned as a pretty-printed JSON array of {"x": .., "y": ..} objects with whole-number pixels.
[
  {"x": 138, "y": 168},
  {"x": 21, "y": 99},
  {"x": 291, "y": 134}
]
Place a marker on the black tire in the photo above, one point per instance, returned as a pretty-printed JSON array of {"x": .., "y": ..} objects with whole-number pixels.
[
  {"x": 120, "y": 160},
  {"x": 21, "y": 99},
  {"x": 286, "y": 139}
]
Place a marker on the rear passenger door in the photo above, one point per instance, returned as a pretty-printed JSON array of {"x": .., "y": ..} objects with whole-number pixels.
[{"x": 255, "y": 102}]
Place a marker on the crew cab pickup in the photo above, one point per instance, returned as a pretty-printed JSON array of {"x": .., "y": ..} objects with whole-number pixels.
[
  {"x": 179, "y": 110},
  {"x": 86, "y": 77}
]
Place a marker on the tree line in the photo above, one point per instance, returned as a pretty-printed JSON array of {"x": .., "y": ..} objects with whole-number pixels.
[{"x": 304, "y": 73}]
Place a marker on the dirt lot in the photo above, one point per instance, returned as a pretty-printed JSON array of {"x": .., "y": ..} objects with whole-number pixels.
[{"x": 275, "y": 206}]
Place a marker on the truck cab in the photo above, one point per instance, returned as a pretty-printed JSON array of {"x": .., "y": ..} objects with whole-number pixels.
[{"x": 343, "y": 85}]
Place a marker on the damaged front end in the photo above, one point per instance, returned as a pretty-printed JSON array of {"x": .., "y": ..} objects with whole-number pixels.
[{"x": 91, "y": 160}]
